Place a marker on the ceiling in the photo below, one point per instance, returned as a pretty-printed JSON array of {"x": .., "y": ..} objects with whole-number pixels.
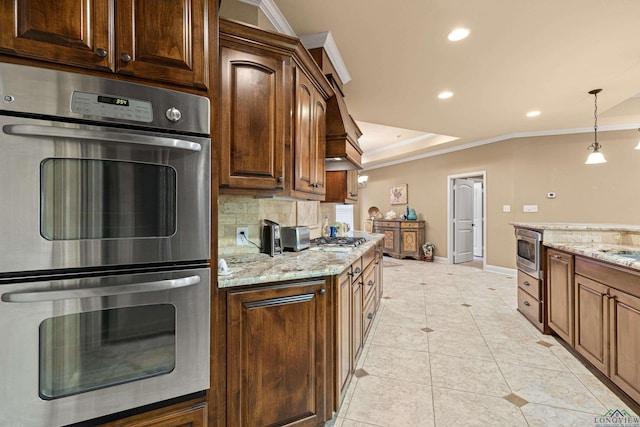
[{"x": 521, "y": 55}]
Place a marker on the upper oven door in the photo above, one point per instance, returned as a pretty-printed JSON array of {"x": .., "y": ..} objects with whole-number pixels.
[{"x": 77, "y": 195}]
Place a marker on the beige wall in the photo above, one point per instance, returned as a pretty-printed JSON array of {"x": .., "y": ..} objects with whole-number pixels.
[{"x": 520, "y": 171}]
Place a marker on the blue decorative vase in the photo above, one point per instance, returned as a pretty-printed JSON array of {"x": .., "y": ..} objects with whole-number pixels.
[{"x": 412, "y": 215}]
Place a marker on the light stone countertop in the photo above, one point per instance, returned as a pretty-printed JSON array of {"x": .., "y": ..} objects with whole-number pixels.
[
  {"x": 253, "y": 269},
  {"x": 598, "y": 241}
]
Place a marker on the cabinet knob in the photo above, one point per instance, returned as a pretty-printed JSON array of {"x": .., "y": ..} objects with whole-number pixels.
[
  {"x": 322, "y": 291},
  {"x": 101, "y": 52},
  {"x": 358, "y": 270},
  {"x": 370, "y": 316},
  {"x": 527, "y": 303},
  {"x": 526, "y": 283},
  {"x": 125, "y": 57},
  {"x": 281, "y": 179},
  {"x": 370, "y": 283}
]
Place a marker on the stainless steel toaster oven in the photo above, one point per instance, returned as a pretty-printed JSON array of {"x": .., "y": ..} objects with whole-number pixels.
[{"x": 295, "y": 238}]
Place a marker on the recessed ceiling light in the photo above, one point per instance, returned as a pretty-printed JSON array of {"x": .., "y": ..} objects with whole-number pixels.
[
  {"x": 445, "y": 95},
  {"x": 458, "y": 34},
  {"x": 533, "y": 113}
]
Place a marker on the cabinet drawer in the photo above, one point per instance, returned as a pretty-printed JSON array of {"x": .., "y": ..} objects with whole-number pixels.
[
  {"x": 382, "y": 224},
  {"x": 529, "y": 306},
  {"x": 369, "y": 282},
  {"x": 410, "y": 224},
  {"x": 368, "y": 257},
  {"x": 530, "y": 285},
  {"x": 368, "y": 313}
]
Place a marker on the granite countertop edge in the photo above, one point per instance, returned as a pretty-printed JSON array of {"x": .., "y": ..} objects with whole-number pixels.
[
  {"x": 600, "y": 251},
  {"x": 254, "y": 269},
  {"x": 577, "y": 226}
]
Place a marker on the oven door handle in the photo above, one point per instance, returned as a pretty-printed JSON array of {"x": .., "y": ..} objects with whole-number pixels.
[
  {"x": 106, "y": 291},
  {"x": 128, "y": 138}
]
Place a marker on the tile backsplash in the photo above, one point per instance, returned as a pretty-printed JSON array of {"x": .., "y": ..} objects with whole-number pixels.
[{"x": 247, "y": 211}]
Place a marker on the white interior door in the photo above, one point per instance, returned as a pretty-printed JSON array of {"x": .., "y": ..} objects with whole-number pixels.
[
  {"x": 478, "y": 219},
  {"x": 462, "y": 220}
]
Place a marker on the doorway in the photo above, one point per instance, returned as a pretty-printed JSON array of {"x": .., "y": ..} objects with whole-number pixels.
[{"x": 466, "y": 223}]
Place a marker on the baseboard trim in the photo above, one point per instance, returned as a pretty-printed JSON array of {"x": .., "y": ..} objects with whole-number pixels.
[{"x": 501, "y": 270}]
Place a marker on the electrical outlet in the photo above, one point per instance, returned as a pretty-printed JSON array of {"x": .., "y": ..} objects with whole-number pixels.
[
  {"x": 530, "y": 208},
  {"x": 242, "y": 241}
]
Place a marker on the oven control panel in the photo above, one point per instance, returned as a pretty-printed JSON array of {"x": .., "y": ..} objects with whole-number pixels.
[{"x": 114, "y": 107}]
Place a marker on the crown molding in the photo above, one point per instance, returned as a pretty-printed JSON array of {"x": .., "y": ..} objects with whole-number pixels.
[
  {"x": 326, "y": 41},
  {"x": 273, "y": 14},
  {"x": 504, "y": 137}
]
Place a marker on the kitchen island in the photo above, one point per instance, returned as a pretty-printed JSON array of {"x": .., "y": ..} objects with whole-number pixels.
[
  {"x": 287, "y": 331},
  {"x": 591, "y": 286}
]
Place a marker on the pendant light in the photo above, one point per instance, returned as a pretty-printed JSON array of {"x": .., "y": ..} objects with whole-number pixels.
[{"x": 596, "y": 156}]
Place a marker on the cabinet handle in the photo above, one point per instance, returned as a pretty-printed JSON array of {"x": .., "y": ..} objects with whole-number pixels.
[
  {"x": 281, "y": 179},
  {"x": 358, "y": 270},
  {"x": 527, "y": 303},
  {"x": 370, "y": 316},
  {"x": 526, "y": 283},
  {"x": 556, "y": 256},
  {"x": 370, "y": 283},
  {"x": 101, "y": 52},
  {"x": 125, "y": 57},
  {"x": 323, "y": 291}
]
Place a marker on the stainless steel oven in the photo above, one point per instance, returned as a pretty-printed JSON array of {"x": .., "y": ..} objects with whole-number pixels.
[
  {"x": 104, "y": 246},
  {"x": 96, "y": 172},
  {"x": 528, "y": 251}
]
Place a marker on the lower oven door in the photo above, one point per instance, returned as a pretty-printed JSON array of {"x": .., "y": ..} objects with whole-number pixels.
[{"x": 80, "y": 348}]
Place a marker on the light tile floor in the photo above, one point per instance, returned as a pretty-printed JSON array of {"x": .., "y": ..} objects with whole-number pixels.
[{"x": 449, "y": 348}]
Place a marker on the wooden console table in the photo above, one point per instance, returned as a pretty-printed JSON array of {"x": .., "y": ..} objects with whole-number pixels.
[{"x": 402, "y": 238}]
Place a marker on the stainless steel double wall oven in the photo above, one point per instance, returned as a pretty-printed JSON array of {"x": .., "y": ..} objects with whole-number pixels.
[{"x": 104, "y": 246}]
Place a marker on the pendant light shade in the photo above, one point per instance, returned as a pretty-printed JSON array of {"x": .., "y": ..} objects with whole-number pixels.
[{"x": 596, "y": 156}]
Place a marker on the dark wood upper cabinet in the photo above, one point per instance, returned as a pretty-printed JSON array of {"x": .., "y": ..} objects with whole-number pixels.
[
  {"x": 310, "y": 138},
  {"x": 156, "y": 40},
  {"x": 273, "y": 110},
  {"x": 71, "y": 32},
  {"x": 253, "y": 117},
  {"x": 342, "y": 187},
  {"x": 162, "y": 40}
]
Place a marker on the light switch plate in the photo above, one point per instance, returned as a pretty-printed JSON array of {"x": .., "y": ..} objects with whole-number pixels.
[
  {"x": 506, "y": 208},
  {"x": 530, "y": 208}
]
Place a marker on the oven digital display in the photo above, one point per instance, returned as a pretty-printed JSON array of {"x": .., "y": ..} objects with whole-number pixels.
[
  {"x": 110, "y": 106},
  {"x": 112, "y": 100}
]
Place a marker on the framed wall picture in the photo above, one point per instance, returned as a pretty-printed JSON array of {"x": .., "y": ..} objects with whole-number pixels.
[{"x": 398, "y": 194}]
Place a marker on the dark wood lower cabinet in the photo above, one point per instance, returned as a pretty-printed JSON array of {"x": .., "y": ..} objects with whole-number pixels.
[
  {"x": 277, "y": 354},
  {"x": 624, "y": 338},
  {"x": 591, "y": 317},
  {"x": 559, "y": 284},
  {"x": 180, "y": 415}
]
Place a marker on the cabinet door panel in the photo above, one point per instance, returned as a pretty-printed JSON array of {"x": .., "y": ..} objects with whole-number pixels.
[
  {"x": 304, "y": 150},
  {"x": 343, "y": 336},
  {"x": 319, "y": 141},
  {"x": 409, "y": 241},
  {"x": 625, "y": 341},
  {"x": 591, "y": 333},
  {"x": 252, "y": 120},
  {"x": 357, "y": 318},
  {"x": 276, "y": 352},
  {"x": 68, "y": 32},
  {"x": 164, "y": 40},
  {"x": 560, "y": 268}
]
